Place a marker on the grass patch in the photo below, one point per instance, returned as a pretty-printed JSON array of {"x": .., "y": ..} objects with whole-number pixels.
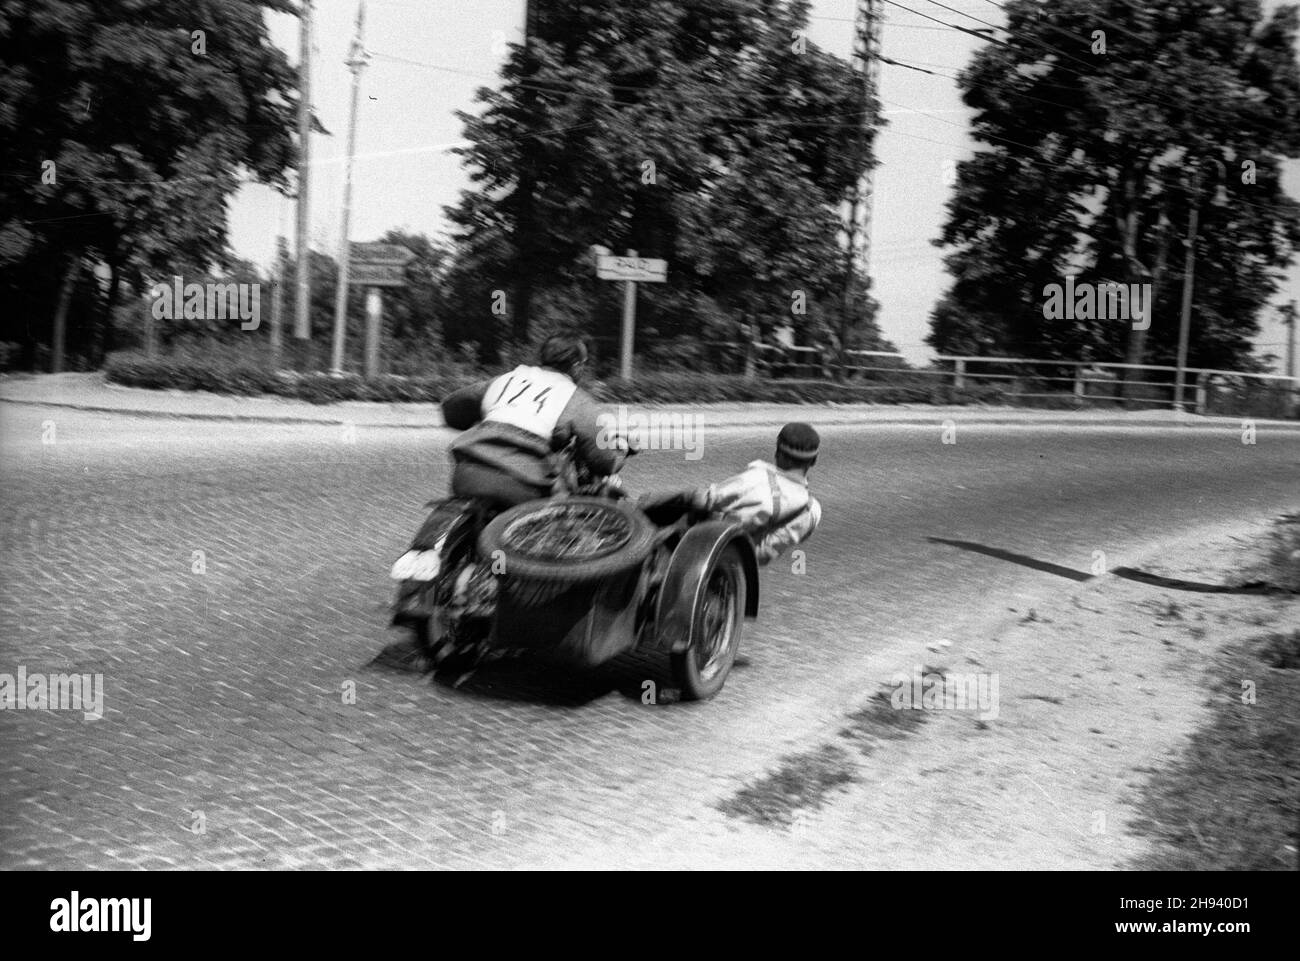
[
  {"x": 804, "y": 780},
  {"x": 1283, "y": 559},
  {"x": 1232, "y": 803},
  {"x": 801, "y": 781},
  {"x": 878, "y": 720}
]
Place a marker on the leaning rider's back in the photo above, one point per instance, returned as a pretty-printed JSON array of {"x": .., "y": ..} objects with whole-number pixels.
[
  {"x": 519, "y": 419},
  {"x": 520, "y": 411}
]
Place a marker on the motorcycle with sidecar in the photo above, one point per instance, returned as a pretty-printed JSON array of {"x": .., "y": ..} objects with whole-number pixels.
[{"x": 582, "y": 577}]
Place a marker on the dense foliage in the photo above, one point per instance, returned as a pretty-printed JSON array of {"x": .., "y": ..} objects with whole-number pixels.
[{"x": 1104, "y": 122}]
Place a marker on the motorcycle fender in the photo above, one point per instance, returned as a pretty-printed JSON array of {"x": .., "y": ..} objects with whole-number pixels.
[
  {"x": 451, "y": 524},
  {"x": 452, "y": 519},
  {"x": 683, "y": 584}
]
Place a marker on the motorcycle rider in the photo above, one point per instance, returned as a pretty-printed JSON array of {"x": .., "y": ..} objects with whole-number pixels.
[{"x": 514, "y": 423}]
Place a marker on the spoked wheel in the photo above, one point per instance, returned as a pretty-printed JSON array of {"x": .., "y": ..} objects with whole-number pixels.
[
  {"x": 702, "y": 668},
  {"x": 561, "y": 543}
]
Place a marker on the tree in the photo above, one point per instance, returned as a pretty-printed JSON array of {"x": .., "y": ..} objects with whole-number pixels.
[
  {"x": 413, "y": 314},
  {"x": 125, "y": 125},
  {"x": 703, "y": 133},
  {"x": 1098, "y": 145}
]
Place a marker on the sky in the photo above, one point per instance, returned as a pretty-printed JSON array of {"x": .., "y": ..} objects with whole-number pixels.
[{"x": 429, "y": 56}]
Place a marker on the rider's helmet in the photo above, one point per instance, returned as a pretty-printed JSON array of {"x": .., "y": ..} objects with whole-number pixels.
[{"x": 566, "y": 353}]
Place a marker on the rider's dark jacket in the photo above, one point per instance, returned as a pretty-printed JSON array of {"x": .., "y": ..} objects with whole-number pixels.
[{"x": 513, "y": 423}]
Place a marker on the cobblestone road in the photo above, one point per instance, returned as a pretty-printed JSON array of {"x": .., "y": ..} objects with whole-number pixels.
[{"x": 230, "y": 584}]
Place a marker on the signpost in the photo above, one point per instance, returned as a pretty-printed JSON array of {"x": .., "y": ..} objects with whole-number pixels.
[
  {"x": 376, "y": 266},
  {"x": 377, "y": 275},
  {"x": 631, "y": 270}
]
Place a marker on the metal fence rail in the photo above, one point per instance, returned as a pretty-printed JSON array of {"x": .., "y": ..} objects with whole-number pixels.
[
  {"x": 1210, "y": 386},
  {"x": 1027, "y": 378}
]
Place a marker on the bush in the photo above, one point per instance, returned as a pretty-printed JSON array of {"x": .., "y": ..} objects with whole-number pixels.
[
  {"x": 232, "y": 374},
  {"x": 226, "y": 371},
  {"x": 11, "y": 355},
  {"x": 704, "y": 388},
  {"x": 218, "y": 375}
]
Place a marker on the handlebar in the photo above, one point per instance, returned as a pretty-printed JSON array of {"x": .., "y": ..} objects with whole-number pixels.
[
  {"x": 575, "y": 478},
  {"x": 609, "y": 486}
]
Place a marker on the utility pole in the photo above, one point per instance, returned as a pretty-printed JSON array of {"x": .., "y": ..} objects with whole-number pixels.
[
  {"x": 866, "y": 63},
  {"x": 526, "y": 219},
  {"x": 356, "y": 61},
  {"x": 302, "y": 317}
]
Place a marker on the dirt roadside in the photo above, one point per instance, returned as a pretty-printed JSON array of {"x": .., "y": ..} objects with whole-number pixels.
[{"x": 1091, "y": 699}]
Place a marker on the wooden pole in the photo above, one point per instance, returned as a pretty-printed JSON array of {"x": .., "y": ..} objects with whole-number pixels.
[{"x": 629, "y": 325}]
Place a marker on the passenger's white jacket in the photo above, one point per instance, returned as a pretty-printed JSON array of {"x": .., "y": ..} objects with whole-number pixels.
[{"x": 774, "y": 506}]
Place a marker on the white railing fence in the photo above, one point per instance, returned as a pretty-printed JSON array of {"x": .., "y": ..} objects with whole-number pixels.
[
  {"x": 1207, "y": 388},
  {"x": 1086, "y": 382}
]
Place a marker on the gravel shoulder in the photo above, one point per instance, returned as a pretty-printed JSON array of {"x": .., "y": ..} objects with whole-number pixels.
[{"x": 1099, "y": 689}]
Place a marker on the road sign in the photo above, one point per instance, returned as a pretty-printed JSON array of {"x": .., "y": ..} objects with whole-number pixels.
[
  {"x": 372, "y": 266},
  {"x": 381, "y": 254},
  {"x": 640, "y": 269},
  {"x": 631, "y": 270},
  {"x": 365, "y": 274}
]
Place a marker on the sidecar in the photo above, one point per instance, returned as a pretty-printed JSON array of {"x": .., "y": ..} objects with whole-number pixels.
[{"x": 583, "y": 580}]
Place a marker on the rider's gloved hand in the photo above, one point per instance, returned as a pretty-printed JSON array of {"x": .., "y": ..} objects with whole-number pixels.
[{"x": 628, "y": 445}]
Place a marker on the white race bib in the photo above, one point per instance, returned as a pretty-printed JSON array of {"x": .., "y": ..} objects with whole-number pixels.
[{"x": 530, "y": 398}]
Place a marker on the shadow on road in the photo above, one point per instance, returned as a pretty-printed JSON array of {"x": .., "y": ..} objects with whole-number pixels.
[
  {"x": 531, "y": 679},
  {"x": 1021, "y": 559},
  {"x": 1177, "y": 584},
  {"x": 1127, "y": 573}
]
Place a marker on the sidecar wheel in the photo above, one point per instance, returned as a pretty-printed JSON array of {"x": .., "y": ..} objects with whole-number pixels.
[{"x": 716, "y": 622}]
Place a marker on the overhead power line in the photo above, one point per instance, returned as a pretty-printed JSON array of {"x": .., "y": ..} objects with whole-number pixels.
[
  {"x": 1120, "y": 28},
  {"x": 1089, "y": 73}
]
